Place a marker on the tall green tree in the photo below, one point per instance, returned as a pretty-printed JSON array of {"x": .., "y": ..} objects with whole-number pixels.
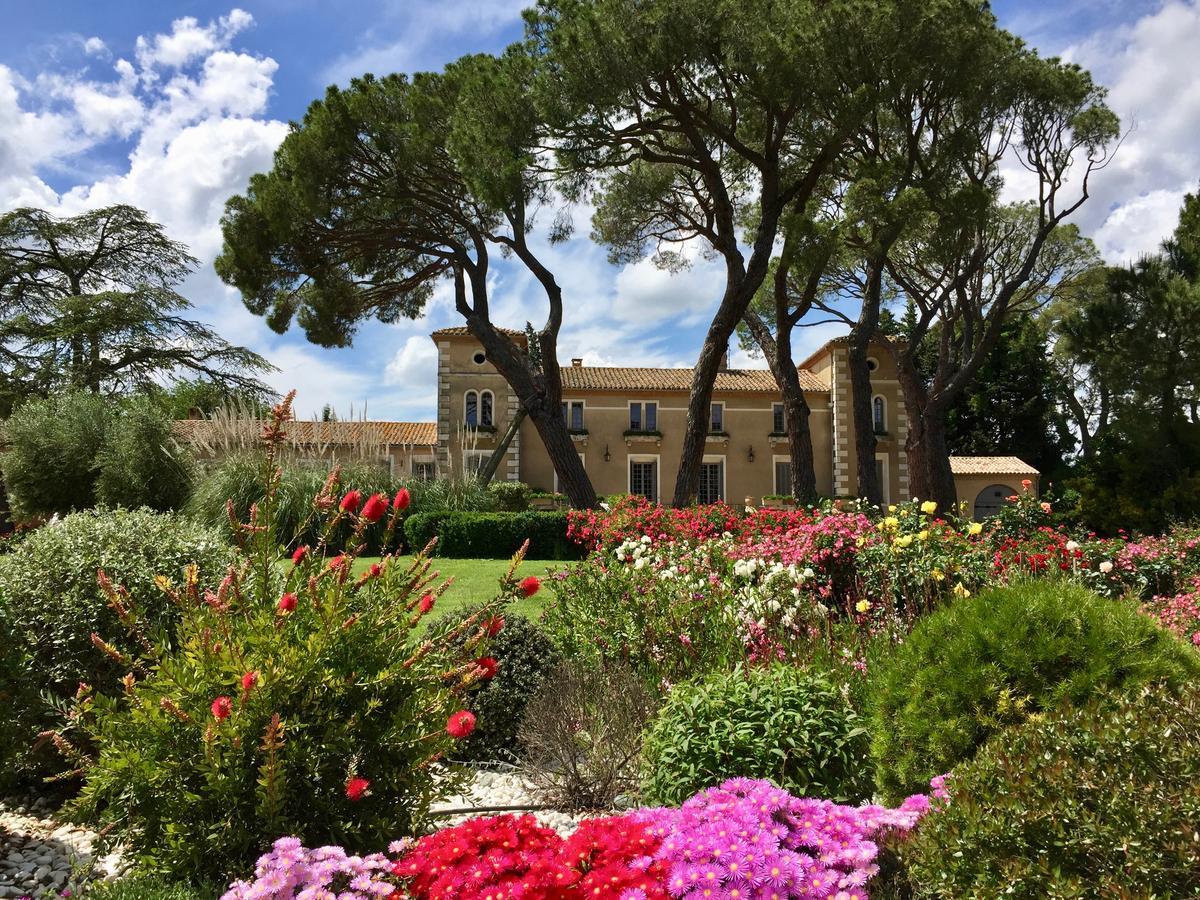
[
  {"x": 387, "y": 188},
  {"x": 91, "y": 302}
]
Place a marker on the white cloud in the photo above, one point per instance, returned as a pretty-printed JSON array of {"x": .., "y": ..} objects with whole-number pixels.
[
  {"x": 189, "y": 40},
  {"x": 317, "y": 380},
  {"x": 414, "y": 366},
  {"x": 94, "y": 46}
]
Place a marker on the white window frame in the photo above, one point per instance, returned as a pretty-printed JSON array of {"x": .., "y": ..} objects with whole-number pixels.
[
  {"x": 582, "y": 462},
  {"x": 711, "y": 406},
  {"x": 879, "y": 428},
  {"x": 782, "y": 418},
  {"x": 582, "y": 414},
  {"x": 642, "y": 403},
  {"x": 491, "y": 409},
  {"x": 775, "y": 460},
  {"x": 718, "y": 458},
  {"x": 655, "y": 458},
  {"x": 467, "y": 394},
  {"x": 885, "y": 488}
]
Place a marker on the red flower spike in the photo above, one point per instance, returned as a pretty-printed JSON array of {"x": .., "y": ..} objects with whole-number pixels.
[
  {"x": 356, "y": 788},
  {"x": 287, "y": 603},
  {"x": 530, "y": 585},
  {"x": 426, "y": 603},
  {"x": 223, "y": 706},
  {"x": 249, "y": 680},
  {"x": 461, "y": 724},
  {"x": 298, "y": 556},
  {"x": 489, "y": 667},
  {"x": 351, "y": 501},
  {"x": 494, "y": 625},
  {"x": 402, "y": 499},
  {"x": 374, "y": 508}
]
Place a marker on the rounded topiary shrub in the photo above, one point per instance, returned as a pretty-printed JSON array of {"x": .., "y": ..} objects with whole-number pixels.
[
  {"x": 524, "y": 657},
  {"x": 779, "y": 723},
  {"x": 1083, "y": 802},
  {"x": 51, "y": 603},
  {"x": 990, "y": 661}
]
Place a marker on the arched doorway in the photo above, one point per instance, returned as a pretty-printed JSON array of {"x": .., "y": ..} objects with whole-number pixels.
[{"x": 991, "y": 500}]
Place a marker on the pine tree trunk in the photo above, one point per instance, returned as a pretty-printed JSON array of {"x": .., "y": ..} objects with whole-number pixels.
[
  {"x": 865, "y": 443},
  {"x": 488, "y": 472}
]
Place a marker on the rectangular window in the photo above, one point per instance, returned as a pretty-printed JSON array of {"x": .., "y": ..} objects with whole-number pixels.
[
  {"x": 778, "y": 425},
  {"x": 716, "y": 418},
  {"x": 643, "y": 478},
  {"x": 423, "y": 471},
  {"x": 643, "y": 416},
  {"x": 573, "y": 414},
  {"x": 783, "y": 476},
  {"x": 711, "y": 482}
]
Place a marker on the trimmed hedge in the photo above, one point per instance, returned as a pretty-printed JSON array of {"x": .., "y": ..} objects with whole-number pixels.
[{"x": 492, "y": 535}]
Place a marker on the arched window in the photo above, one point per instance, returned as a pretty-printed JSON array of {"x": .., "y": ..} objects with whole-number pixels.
[
  {"x": 991, "y": 500},
  {"x": 485, "y": 408},
  {"x": 879, "y": 414},
  {"x": 471, "y": 409}
]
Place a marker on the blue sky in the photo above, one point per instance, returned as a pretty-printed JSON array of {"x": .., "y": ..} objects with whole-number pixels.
[{"x": 172, "y": 105}]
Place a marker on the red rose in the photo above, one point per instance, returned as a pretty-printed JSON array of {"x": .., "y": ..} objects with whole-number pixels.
[
  {"x": 298, "y": 556},
  {"x": 374, "y": 508},
  {"x": 249, "y": 680},
  {"x": 489, "y": 667},
  {"x": 351, "y": 501},
  {"x": 461, "y": 724},
  {"x": 402, "y": 499},
  {"x": 426, "y": 603},
  {"x": 530, "y": 586},
  {"x": 287, "y": 603},
  {"x": 356, "y": 788},
  {"x": 223, "y": 706}
]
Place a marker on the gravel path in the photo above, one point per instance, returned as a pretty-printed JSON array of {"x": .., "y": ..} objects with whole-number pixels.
[
  {"x": 491, "y": 789},
  {"x": 41, "y": 858}
]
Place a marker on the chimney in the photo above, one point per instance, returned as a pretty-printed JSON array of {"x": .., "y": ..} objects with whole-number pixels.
[{"x": 577, "y": 362}]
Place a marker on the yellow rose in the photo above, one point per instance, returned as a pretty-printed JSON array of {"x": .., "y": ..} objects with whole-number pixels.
[
  {"x": 929, "y": 507},
  {"x": 961, "y": 591},
  {"x": 891, "y": 523},
  {"x": 923, "y": 534},
  {"x": 974, "y": 528},
  {"x": 938, "y": 575},
  {"x": 903, "y": 541},
  {"x": 863, "y": 606},
  {"x": 891, "y": 507}
]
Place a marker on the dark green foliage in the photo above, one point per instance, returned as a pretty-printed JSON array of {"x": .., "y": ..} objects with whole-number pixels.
[
  {"x": 1098, "y": 801},
  {"x": 525, "y": 656},
  {"x": 778, "y": 722},
  {"x": 510, "y": 496},
  {"x": 50, "y": 464},
  {"x": 51, "y": 604},
  {"x": 141, "y": 463},
  {"x": 493, "y": 535},
  {"x": 141, "y": 888},
  {"x": 987, "y": 662}
]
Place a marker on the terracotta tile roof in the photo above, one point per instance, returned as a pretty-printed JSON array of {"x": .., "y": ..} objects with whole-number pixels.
[
  {"x": 990, "y": 465},
  {"x": 463, "y": 331},
  {"x": 423, "y": 434},
  {"x": 614, "y": 378}
]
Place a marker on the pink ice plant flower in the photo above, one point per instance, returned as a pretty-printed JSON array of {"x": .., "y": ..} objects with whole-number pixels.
[{"x": 292, "y": 871}]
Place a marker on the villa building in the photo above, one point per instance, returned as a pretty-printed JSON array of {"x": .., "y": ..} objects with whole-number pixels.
[{"x": 627, "y": 424}]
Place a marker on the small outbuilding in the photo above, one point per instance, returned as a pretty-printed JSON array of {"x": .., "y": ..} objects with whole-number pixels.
[{"x": 984, "y": 483}]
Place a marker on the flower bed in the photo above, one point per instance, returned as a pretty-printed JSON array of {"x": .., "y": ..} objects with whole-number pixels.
[{"x": 743, "y": 839}]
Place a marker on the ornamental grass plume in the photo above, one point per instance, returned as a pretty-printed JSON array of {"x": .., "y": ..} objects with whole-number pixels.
[{"x": 295, "y": 700}]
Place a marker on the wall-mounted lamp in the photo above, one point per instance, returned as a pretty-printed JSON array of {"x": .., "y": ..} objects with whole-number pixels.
[
  {"x": 750, "y": 455},
  {"x": 607, "y": 455}
]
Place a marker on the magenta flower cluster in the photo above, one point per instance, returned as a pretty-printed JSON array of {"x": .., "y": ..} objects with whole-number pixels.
[
  {"x": 749, "y": 839},
  {"x": 325, "y": 873}
]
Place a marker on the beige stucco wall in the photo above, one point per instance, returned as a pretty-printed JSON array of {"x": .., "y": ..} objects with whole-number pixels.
[
  {"x": 968, "y": 487},
  {"x": 458, "y": 373}
]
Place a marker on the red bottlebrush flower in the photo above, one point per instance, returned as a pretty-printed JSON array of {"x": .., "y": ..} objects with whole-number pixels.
[
  {"x": 223, "y": 706},
  {"x": 356, "y": 788},
  {"x": 489, "y": 667},
  {"x": 530, "y": 585},
  {"x": 374, "y": 508},
  {"x": 375, "y": 570},
  {"x": 461, "y": 724},
  {"x": 494, "y": 625},
  {"x": 249, "y": 680},
  {"x": 298, "y": 556},
  {"x": 287, "y": 603},
  {"x": 402, "y": 499},
  {"x": 351, "y": 501},
  {"x": 426, "y": 603}
]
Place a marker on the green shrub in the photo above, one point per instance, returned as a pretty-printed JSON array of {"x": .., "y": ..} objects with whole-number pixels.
[
  {"x": 50, "y": 600},
  {"x": 525, "y": 657},
  {"x": 983, "y": 663},
  {"x": 141, "y": 463},
  {"x": 139, "y": 888},
  {"x": 280, "y": 692},
  {"x": 1099, "y": 801},
  {"x": 492, "y": 535},
  {"x": 509, "y": 496},
  {"x": 776, "y": 722},
  {"x": 50, "y": 464}
]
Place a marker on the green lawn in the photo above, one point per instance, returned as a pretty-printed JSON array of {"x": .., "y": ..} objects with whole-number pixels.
[{"x": 476, "y": 580}]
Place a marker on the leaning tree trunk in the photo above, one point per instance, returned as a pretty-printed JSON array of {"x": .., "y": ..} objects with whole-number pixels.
[
  {"x": 929, "y": 473},
  {"x": 488, "y": 471},
  {"x": 864, "y": 329}
]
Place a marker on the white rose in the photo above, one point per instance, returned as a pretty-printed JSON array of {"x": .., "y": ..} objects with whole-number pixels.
[{"x": 1106, "y": 567}]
